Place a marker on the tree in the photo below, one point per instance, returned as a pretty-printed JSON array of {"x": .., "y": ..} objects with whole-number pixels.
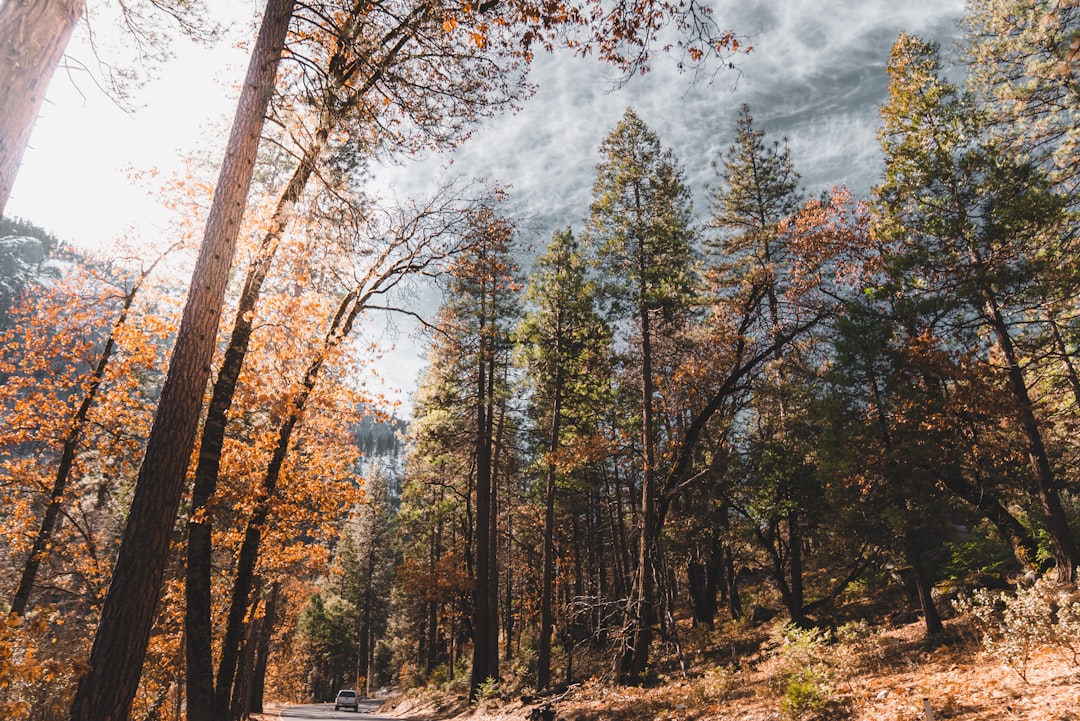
[
  {"x": 107, "y": 689},
  {"x": 478, "y": 316},
  {"x": 364, "y": 565},
  {"x": 70, "y": 443},
  {"x": 1024, "y": 59},
  {"x": 979, "y": 234},
  {"x": 565, "y": 344},
  {"x": 757, "y": 198},
  {"x": 33, "y": 36},
  {"x": 640, "y": 223}
]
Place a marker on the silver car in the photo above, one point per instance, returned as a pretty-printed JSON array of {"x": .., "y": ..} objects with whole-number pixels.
[{"x": 347, "y": 698}]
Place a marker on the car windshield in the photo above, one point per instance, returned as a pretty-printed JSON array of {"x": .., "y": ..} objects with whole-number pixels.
[{"x": 349, "y": 694}]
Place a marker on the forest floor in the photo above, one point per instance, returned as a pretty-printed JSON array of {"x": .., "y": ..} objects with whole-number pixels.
[{"x": 887, "y": 673}]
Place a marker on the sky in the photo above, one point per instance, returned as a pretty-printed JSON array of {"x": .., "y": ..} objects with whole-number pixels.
[{"x": 815, "y": 76}]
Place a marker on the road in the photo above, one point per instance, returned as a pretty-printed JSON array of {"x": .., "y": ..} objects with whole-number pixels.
[{"x": 323, "y": 711}]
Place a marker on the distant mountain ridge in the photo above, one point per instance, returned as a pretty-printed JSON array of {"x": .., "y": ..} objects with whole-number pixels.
[{"x": 27, "y": 257}]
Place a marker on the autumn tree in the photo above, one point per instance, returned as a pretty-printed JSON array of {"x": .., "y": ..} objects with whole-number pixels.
[
  {"x": 115, "y": 661},
  {"x": 376, "y": 81},
  {"x": 71, "y": 439},
  {"x": 79, "y": 382}
]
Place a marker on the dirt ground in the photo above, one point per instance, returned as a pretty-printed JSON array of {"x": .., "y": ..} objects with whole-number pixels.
[{"x": 889, "y": 675}]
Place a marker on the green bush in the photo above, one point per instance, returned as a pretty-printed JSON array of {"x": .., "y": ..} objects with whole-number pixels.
[{"x": 803, "y": 677}]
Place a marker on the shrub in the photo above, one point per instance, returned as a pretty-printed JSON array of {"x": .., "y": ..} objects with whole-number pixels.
[
  {"x": 803, "y": 677},
  {"x": 1015, "y": 625}
]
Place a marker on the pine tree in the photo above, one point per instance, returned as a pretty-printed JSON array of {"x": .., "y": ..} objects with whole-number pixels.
[
  {"x": 977, "y": 233},
  {"x": 640, "y": 223},
  {"x": 566, "y": 346}
]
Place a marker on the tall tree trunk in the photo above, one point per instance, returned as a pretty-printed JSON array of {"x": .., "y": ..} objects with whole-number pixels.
[
  {"x": 493, "y": 518},
  {"x": 543, "y": 665},
  {"x": 431, "y": 658},
  {"x": 640, "y": 611},
  {"x": 33, "y": 36},
  {"x": 262, "y": 651},
  {"x": 106, "y": 691},
  {"x": 485, "y": 625}
]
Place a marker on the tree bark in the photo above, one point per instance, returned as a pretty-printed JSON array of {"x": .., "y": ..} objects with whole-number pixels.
[
  {"x": 33, "y": 36},
  {"x": 105, "y": 693},
  {"x": 923, "y": 583},
  {"x": 482, "y": 611},
  {"x": 262, "y": 652},
  {"x": 543, "y": 665}
]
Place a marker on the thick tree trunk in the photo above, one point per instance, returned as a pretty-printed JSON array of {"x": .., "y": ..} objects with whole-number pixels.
[
  {"x": 105, "y": 693},
  {"x": 33, "y": 36},
  {"x": 485, "y": 621},
  {"x": 704, "y": 583}
]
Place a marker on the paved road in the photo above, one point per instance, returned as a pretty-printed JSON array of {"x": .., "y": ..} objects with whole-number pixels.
[{"x": 323, "y": 711}]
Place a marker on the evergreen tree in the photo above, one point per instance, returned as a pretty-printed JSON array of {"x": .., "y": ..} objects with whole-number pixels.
[
  {"x": 1024, "y": 57},
  {"x": 641, "y": 225},
  {"x": 566, "y": 347},
  {"x": 757, "y": 197},
  {"x": 977, "y": 238}
]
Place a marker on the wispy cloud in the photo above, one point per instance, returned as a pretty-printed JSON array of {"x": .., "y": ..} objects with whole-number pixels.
[{"x": 816, "y": 76}]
